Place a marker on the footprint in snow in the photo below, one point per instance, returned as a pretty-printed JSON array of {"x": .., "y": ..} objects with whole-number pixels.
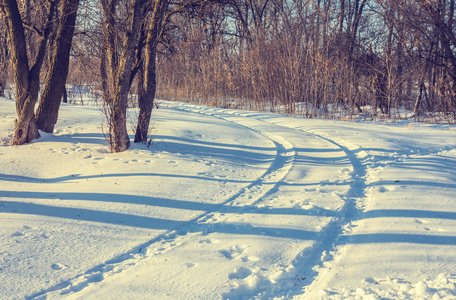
[
  {"x": 421, "y": 221},
  {"x": 104, "y": 150},
  {"x": 131, "y": 161},
  {"x": 234, "y": 251},
  {"x": 209, "y": 241},
  {"x": 382, "y": 189},
  {"x": 250, "y": 258},
  {"x": 240, "y": 273},
  {"x": 58, "y": 267}
]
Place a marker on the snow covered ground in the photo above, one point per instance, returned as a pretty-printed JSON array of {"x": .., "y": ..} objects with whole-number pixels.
[{"x": 228, "y": 205}]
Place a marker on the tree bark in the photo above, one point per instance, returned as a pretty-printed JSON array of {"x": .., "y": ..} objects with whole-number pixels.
[
  {"x": 4, "y": 58},
  {"x": 146, "y": 99},
  {"x": 27, "y": 80},
  {"x": 109, "y": 54},
  {"x": 141, "y": 131},
  {"x": 119, "y": 73},
  {"x": 47, "y": 112}
]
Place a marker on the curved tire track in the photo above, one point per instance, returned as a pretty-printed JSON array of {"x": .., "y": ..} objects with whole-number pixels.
[{"x": 335, "y": 232}]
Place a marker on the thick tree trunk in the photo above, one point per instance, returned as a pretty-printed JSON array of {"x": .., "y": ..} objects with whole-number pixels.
[
  {"x": 121, "y": 76},
  {"x": 146, "y": 99},
  {"x": 25, "y": 128},
  {"x": 146, "y": 103},
  {"x": 141, "y": 129},
  {"x": 18, "y": 52},
  {"x": 120, "y": 138},
  {"x": 47, "y": 112},
  {"x": 109, "y": 54},
  {"x": 27, "y": 80}
]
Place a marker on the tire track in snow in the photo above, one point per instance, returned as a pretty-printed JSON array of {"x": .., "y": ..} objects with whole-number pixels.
[
  {"x": 336, "y": 233},
  {"x": 285, "y": 156},
  {"x": 323, "y": 253},
  {"x": 263, "y": 186}
]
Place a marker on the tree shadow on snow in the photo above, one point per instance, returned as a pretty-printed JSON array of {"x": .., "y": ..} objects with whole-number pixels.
[
  {"x": 161, "y": 203},
  {"x": 75, "y": 138},
  {"x": 121, "y": 219},
  {"x": 236, "y": 153}
]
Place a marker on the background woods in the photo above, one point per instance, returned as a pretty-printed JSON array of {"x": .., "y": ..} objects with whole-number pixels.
[
  {"x": 323, "y": 58},
  {"x": 317, "y": 58}
]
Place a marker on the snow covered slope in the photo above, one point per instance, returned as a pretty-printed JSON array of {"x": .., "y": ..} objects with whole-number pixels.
[{"x": 228, "y": 205}]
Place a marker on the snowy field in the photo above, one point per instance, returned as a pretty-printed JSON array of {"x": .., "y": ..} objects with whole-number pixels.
[{"x": 228, "y": 205}]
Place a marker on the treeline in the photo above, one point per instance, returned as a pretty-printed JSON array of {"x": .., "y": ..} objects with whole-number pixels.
[{"x": 316, "y": 58}]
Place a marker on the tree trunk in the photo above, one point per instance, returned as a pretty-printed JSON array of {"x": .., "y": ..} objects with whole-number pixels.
[
  {"x": 104, "y": 77},
  {"x": 359, "y": 7},
  {"x": 121, "y": 73},
  {"x": 380, "y": 92},
  {"x": 4, "y": 58},
  {"x": 141, "y": 129},
  {"x": 146, "y": 99},
  {"x": 18, "y": 51},
  {"x": 24, "y": 131},
  {"x": 109, "y": 53},
  {"x": 2, "y": 82},
  {"x": 47, "y": 112},
  {"x": 65, "y": 95},
  {"x": 146, "y": 103},
  {"x": 27, "y": 80},
  {"x": 418, "y": 100}
]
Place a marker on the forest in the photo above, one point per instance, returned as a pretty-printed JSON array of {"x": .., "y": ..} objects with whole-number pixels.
[{"x": 312, "y": 58}]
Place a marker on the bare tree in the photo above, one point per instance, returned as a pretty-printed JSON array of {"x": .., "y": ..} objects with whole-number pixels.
[
  {"x": 54, "y": 86},
  {"x": 118, "y": 66},
  {"x": 26, "y": 78},
  {"x": 29, "y": 36},
  {"x": 147, "y": 81}
]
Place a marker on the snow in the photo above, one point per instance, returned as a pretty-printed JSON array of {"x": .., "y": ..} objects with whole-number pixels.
[{"x": 228, "y": 204}]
